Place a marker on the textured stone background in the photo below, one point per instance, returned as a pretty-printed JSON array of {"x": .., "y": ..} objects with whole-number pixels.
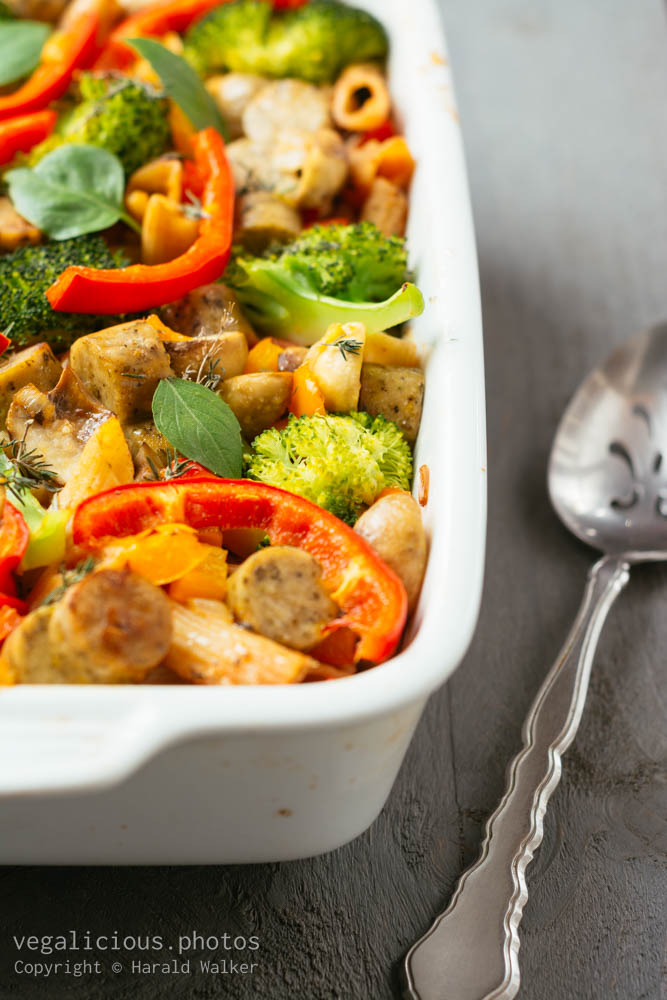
[{"x": 564, "y": 111}]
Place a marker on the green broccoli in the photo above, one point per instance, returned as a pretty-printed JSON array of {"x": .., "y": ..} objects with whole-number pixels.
[
  {"x": 25, "y": 275},
  {"x": 123, "y": 116},
  {"x": 339, "y": 461},
  {"x": 312, "y": 43},
  {"x": 330, "y": 274},
  {"x": 349, "y": 262}
]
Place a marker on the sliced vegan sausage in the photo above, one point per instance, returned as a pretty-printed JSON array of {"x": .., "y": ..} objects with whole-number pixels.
[
  {"x": 396, "y": 393},
  {"x": 110, "y": 628},
  {"x": 393, "y": 527},
  {"x": 278, "y": 592},
  {"x": 28, "y": 653}
]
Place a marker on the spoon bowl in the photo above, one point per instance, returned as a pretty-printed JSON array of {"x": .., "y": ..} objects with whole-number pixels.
[{"x": 608, "y": 469}]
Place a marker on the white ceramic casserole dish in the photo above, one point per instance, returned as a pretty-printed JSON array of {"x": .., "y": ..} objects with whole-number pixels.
[{"x": 179, "y": 775}]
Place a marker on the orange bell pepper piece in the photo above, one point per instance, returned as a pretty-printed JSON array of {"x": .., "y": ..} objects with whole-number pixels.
[
  {"x": 163, "y": 331},
  {"x": 264, "y": 356},
  {"x": 161, "y": 556},
  {"x": 306, "y": 399},
  {"x": 207, "y": 580}
]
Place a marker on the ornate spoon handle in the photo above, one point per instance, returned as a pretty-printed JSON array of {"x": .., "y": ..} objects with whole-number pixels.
[{"x": 471, "y": 952}]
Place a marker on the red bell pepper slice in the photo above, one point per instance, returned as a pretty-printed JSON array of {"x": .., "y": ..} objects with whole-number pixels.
[
  {"x": 142, "y": 286},
  {"x": 386, "y": 130},
  {"x": 371, "y": 597},
  {"x": 14, "y": 536},
  {"x": 75, "y": 48},
  {"x": 4, "y": 342},
  {"x": 20, "y": 134}
]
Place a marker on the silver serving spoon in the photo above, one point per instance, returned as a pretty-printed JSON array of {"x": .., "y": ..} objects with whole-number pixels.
[{"x": 608, "y": 483}]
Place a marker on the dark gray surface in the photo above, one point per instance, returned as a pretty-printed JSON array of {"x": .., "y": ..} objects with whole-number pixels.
[{"x": 564, "y": 109}]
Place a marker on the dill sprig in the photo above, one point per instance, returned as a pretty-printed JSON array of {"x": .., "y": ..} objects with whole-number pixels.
[
  {"x": 30, "y": 470},
  {"x": 173, "y": 468},
  {"x": 69, "y": 578},
  {"x": 348, "y": 346}
]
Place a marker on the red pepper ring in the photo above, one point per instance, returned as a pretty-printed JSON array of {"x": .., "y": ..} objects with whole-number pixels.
[
  {"x": 73, "y": 48},
  {"x": 20, "y": 134},
  {"x": 142, "y": 286},
  {"x": 372, "y": 598}
]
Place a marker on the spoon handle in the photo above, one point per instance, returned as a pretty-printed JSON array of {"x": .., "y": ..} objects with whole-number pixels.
[{"x": 471, "y": 952}]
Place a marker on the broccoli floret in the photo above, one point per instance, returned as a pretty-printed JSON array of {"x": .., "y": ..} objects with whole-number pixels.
[
  {"x": 312, "y": 43},
  {"x": 349, "y": 262},
  {"x": 331, "y": 274},
  {"x": 339, "y": 461},
  {"x": 123, "y": 116},
  {"x": 232, "y": 36},
  {"x": 25, "y": 275}
]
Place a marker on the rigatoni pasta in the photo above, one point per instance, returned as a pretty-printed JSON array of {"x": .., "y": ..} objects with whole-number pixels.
[{"x": 361, "y": 100}]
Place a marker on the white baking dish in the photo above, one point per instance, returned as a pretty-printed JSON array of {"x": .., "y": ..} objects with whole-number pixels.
[{"x": 178, "y": 775}]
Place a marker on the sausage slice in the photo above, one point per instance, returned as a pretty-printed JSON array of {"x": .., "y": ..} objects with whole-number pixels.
[
  {"x": 110, "y": 628},
  {"x": 278, "y": 592}
]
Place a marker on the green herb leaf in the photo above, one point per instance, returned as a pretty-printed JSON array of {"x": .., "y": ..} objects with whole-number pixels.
[
  {"x": 76, "y": 189},
  {"x": 183, "y": 84},
  {"x": 21, "y": 45},
  {"x": 199, "y": 425}
]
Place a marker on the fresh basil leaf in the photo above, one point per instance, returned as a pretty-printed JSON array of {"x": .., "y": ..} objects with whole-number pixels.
[
  {"x": 21, "y": 45},
  {"x": 76, "y": 189},
  {"x": 183, "y": 84},
  {"x": 199, "y": 425}
]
